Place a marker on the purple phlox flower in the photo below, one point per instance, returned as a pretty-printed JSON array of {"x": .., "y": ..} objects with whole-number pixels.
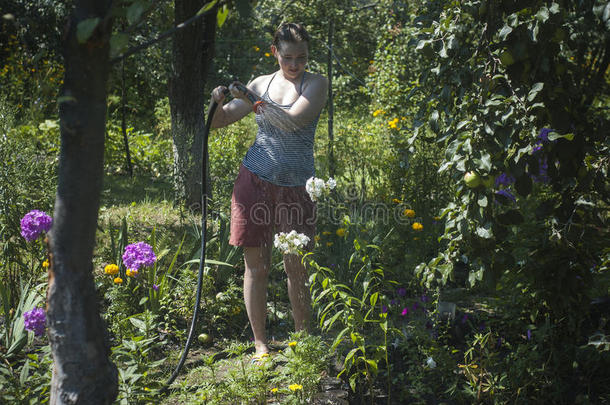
[
  {"x": 542, "y": 138},
  {"x": 507, "y": 194},
  {"x": 401, "y": 292},
  {"x": 504, "y": 180},
  {"x": 155, "y": 287},
  {"x": 35, "y": 321},
  {"x": 424, "y": 298},
  {"x": 465, "y": 318},
  {"x": 384, "y": 309},
  {"x": 34, "y": 223},
  {"x": 529, "y": 334},
  {"x": 138, "y": 255},
  {"x": 544, "y": 134},
  {"x": 394, "y": 301},
  {"x": 405, "y": 311},
  {"x": 414, "y": 307}
]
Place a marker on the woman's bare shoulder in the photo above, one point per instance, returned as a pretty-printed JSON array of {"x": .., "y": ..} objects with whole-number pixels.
[{"x": 259, "y": 83}]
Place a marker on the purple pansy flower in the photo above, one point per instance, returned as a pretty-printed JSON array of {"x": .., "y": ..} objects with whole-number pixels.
[
  {"x": 155, "y": 287},
  {"x": 384, "y": 309},
  {"x": 529, "y": 334},
  {"x": 401, "y": 292},
  {"x": 34, "y": 223},
  {"x": 138, "y": 255},
  {"x": 35, "y": 321}
]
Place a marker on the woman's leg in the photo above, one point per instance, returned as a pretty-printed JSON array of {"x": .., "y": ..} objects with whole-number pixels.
[
  {"x": 298, "y": 291},
  {"x": 258, "y": 263}
]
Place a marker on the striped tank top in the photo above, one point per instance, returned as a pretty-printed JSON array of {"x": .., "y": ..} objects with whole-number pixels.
[{"x": 281, "y": 157}]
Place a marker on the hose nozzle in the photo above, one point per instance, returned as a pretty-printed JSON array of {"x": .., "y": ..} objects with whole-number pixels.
[{"x": 249, "y": 95}]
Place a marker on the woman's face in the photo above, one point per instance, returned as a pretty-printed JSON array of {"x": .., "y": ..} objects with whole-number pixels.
[{"x": 292, "y": 57}]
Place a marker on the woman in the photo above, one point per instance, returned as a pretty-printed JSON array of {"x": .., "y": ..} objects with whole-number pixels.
[{"x": 269, "y": 194}]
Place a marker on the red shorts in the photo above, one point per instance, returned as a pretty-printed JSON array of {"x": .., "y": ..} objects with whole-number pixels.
[{"x": 260, "y": 209}]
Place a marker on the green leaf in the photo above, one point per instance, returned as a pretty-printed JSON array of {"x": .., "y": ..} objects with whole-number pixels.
[
  {"x": 374, "y": 298},
  {"x": 534, "y": 91},
  {"x": 134, "y": 12},
  {"x": 484, "y": 164},
  {"x": 554, "y": 136},
  {"x": 543, "y": 14},
  {"x": 504, "y": 32},
  {"x": 138, "y": 323},
  {"x": 221, "y": 15},
  {"x": 485, "y": 232},
  {"x": 85, "y": 29},
  {"x": 207, "y": 7},
  {"x": 118, "y": 44}
]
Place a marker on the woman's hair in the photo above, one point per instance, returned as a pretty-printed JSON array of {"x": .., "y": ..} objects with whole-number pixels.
[{"x": 290, "y": 32}]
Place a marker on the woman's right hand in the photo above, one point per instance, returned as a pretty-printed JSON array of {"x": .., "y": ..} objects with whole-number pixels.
[{"x": 219, "y": 94}]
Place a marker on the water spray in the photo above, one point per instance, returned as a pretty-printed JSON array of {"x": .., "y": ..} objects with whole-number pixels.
[{"x": 276, "y": 115}]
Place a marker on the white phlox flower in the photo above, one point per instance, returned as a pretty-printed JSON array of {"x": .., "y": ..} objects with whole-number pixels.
[
  {"x": 290, "y": 243},
  {"x": 316, "y": 187}
]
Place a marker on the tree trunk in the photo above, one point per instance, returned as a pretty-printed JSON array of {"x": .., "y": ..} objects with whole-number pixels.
[
  {"x": 192, "y": 53},
  {"x": 82, "y": 371}
]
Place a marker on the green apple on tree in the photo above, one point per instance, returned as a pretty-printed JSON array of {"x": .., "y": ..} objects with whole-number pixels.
[{"x": 472, "y": 179}]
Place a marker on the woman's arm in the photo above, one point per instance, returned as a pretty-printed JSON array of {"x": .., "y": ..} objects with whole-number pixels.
[
  {"x": 308, "y": 106},
  {"x": 228, "y": 113}
]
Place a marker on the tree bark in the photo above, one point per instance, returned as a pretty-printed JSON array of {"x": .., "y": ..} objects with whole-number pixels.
[
  {"x": 191, "y": 55},
  {"x": 82, "y": 370}
]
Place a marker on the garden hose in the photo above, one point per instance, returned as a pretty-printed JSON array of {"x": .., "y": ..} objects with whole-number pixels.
[{"x": 204, "y": 212}]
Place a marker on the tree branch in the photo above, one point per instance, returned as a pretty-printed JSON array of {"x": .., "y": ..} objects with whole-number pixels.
[{"x": 164, "y": 35}]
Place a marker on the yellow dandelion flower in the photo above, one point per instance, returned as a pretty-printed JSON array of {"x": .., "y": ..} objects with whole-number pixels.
[
  {"x": 256, "y": 48},
  {"x": 326, "y": 233},
  {"x": 396, "y": 200},
  {"x": 417, "y": 226},
  {"x": 274, "y": 390},
  {"x": 131, "y": 272},
  {"x": 340, "y": 232},
  {"x": 377, "y": 112},
  {"x": 111, "y": 269},
  {"x": 292, "y": 344},
  {"x": 317, "y": 238},
  {"x": 267, "y": 54},
  {"x": 45, "y": 264},
  {"x": 295, "y": 387},
  {"x": 329, "y": 244},
  {"x": 437, "y": 218},
  {"x": 408, "y": 213},
  {"x": 393, "y": 123},
  {"x": 118, "y": 280}
]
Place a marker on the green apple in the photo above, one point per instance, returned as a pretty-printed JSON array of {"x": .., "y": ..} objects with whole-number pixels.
[
  {"x": 204, "y": 339},
  {"x": 472, "y": 179}
]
